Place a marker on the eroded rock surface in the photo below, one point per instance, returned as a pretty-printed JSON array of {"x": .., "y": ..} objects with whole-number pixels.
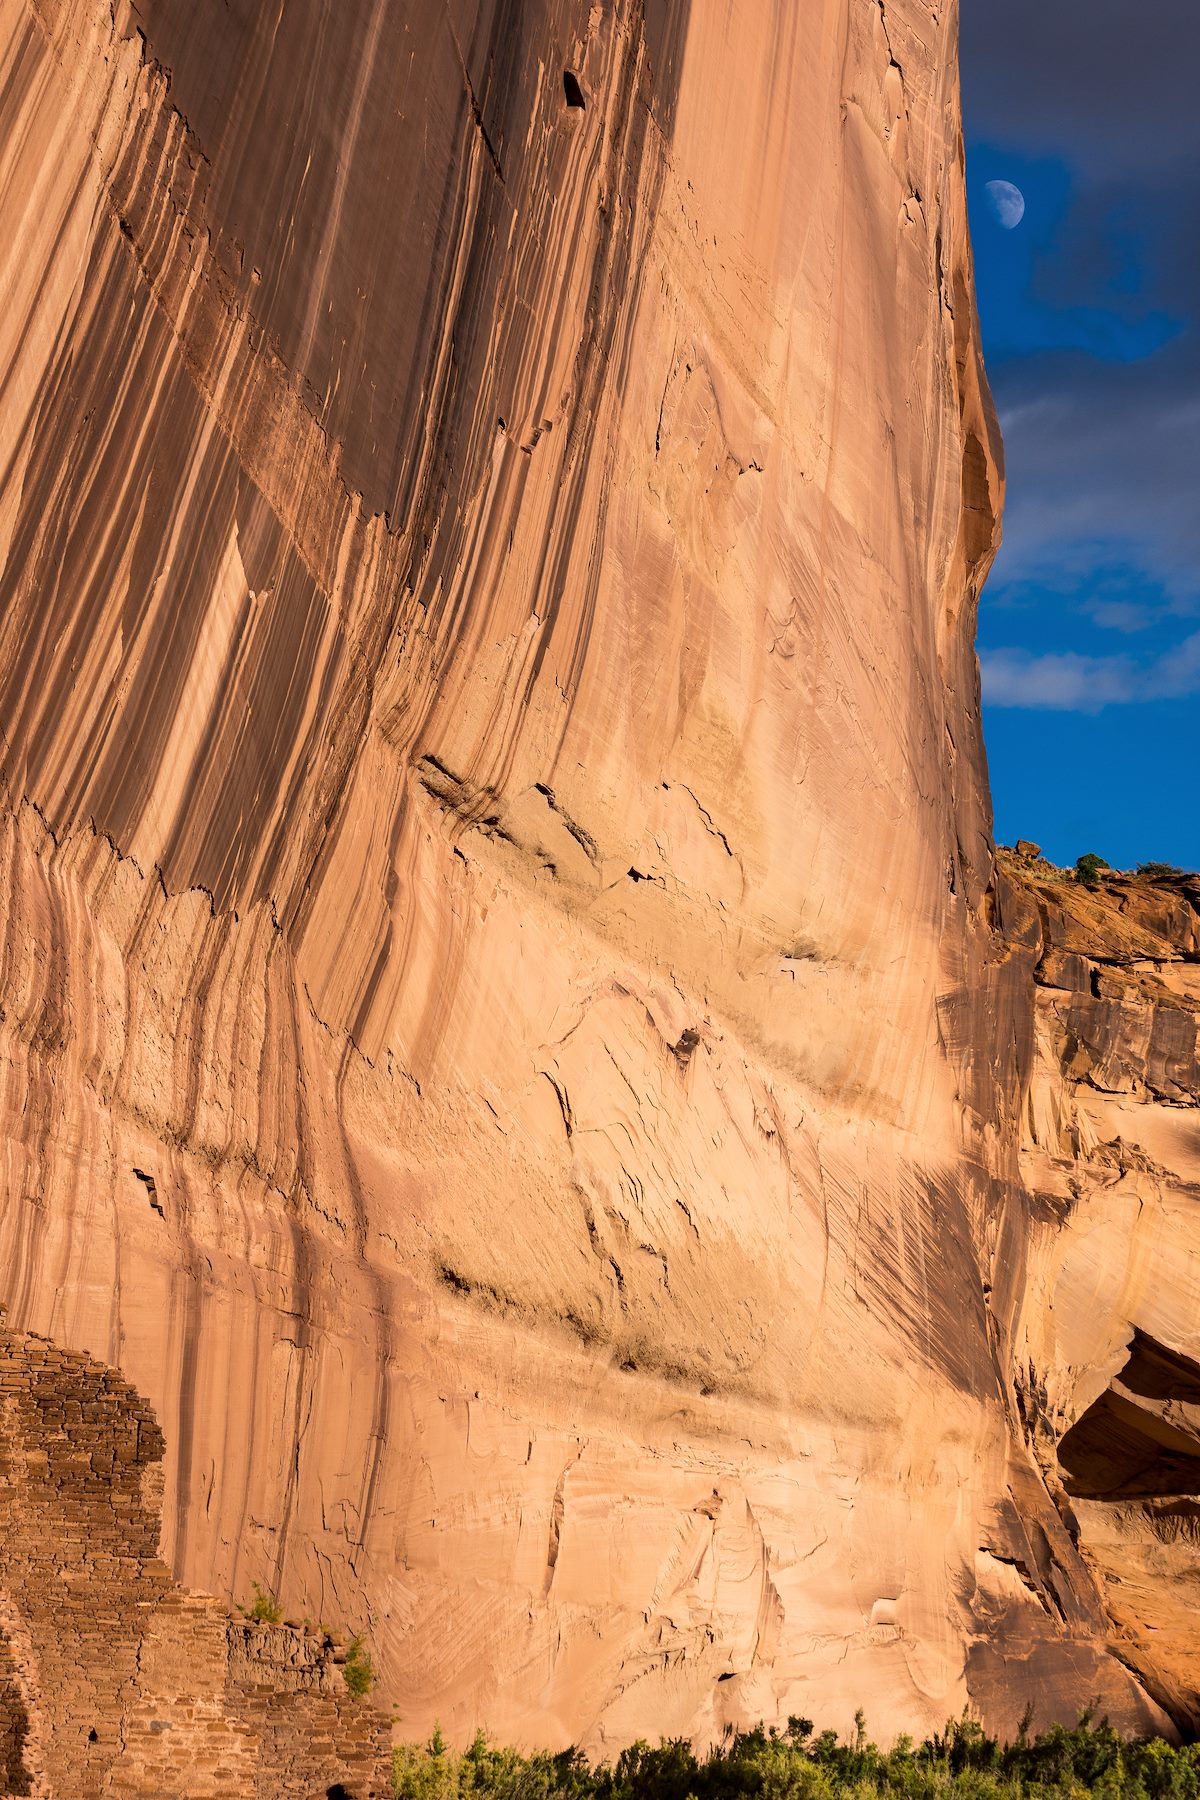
[
  {"x": 507, "y": 1038},
  {"x": 1110, "y": 1334}
]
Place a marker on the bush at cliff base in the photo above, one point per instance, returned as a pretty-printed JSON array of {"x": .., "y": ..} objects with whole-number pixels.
[{"x": 1090, "y": 1759}]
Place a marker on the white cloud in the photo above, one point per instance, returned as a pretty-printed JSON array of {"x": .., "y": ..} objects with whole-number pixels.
[
  {"x": 1123, "y": 616},
  {"x": 1101, "y": 462},
  {"x": 1069, "y": 682}
]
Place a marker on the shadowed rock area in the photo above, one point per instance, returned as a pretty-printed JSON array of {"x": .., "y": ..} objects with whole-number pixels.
[{"x": 512, "y": 1034}]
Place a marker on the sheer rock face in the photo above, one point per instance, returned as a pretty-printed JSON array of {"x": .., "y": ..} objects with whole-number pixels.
[
  {"x": 507, "y": 1036},
  {"x": 1109, "y": 1339}
]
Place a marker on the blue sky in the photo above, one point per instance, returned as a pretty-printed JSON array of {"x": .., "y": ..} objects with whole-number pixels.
[{"x": 1089, "y": 631}]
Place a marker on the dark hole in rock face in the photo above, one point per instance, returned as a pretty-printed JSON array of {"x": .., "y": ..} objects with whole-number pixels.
[
  {"x": 338, "y": 1792},
  {"x": 572, "y": 90},
  {"x": 1141, "y": 1439},
  {"x": 93, "y": 1736},
  {"x": 148, "y": 1183}
]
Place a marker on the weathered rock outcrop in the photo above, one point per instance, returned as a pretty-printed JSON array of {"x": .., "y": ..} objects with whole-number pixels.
[
  {"x": 507, "y": 1039},
  {"x": 1109, "y": 1340},
  {"x": 113, "y": 1680}
]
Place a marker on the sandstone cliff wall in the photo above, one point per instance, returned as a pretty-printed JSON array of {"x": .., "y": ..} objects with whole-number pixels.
[
  {"x": 506, "y": 1036},
  {"x": 1108, "y": 1350}
]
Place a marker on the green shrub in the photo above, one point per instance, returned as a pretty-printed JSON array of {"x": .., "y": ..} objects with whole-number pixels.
[
  {"x": 1159, "y": 871},
  {"x": 960, "y": 1763},
  {"x": 425, "y": 1773},
  {"x": 264, "y": 1606},
  {"x": 358, "y": 1670},
  {"x": 1087, "y": 869}
]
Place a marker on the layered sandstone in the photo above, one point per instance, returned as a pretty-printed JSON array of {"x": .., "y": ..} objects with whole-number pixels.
[
  {"x": 509, "y": 1040},
  {"x": 1108, "y": 1349}
]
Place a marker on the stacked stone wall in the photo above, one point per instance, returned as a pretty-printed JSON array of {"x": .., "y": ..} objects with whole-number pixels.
[
  {"x": 115, "y": 1681},
  {"x": 288, "y": 1689}
]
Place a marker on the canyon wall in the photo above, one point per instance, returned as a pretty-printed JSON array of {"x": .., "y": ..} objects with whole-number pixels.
[
  {"x": 1108, "y": 1346},
  {"x": 511, "y": 1037}
]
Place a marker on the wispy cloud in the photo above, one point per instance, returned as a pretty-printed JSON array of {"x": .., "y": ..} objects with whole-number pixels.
[
  {"x": 1102, "y": 464},
  {"x": 1124, "y": 616},
  {"x": 1069, "y": 682}
]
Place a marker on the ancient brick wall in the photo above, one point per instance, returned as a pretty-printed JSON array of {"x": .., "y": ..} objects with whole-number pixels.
[
  {"x": 287, "y": 1688},
  {"x": 114, "y": 1680}
]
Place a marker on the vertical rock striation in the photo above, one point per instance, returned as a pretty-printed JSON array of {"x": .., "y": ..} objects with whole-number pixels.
[{"x": 508, "y": 1036}]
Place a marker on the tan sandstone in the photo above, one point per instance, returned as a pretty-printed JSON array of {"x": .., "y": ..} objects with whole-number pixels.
[{"x": 509, "y": 1039}]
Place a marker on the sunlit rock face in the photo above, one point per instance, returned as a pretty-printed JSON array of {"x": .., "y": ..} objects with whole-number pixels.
[
  {"x": 509, "y": 1036},
  {"x": 1108, "y": 1350}
]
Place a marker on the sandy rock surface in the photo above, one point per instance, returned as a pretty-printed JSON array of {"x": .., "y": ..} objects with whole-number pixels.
[
  {"x": 511, "y": 1035},
  {"x": 1110, "y": 1329}
]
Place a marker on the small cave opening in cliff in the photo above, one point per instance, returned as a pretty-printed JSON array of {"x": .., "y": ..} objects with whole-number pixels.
[
  {"x": 573, "y": 91},
  {"x": 1141, "y": 1439},
  {"x": 151, "y": 1187}
]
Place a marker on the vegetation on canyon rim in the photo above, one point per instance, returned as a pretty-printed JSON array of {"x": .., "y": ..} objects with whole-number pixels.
[
  {"x": 962, "y": 1763},
  {"x": 1090, "y": 869}
]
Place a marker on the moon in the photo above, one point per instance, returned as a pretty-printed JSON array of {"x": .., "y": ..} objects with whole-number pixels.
[{"x": 1007, "y": 203}]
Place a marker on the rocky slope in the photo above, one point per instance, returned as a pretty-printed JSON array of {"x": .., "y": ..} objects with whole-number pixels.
[
  {"x": 508, "y": 1039},
  {"x": 1109, "y": 1342}
]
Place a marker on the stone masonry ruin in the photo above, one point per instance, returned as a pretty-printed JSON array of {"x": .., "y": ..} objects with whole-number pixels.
[{"x": 114, "y": 1680}]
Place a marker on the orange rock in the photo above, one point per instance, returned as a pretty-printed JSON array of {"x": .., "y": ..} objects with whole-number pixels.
[{"x": 507, "y": 1036}]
